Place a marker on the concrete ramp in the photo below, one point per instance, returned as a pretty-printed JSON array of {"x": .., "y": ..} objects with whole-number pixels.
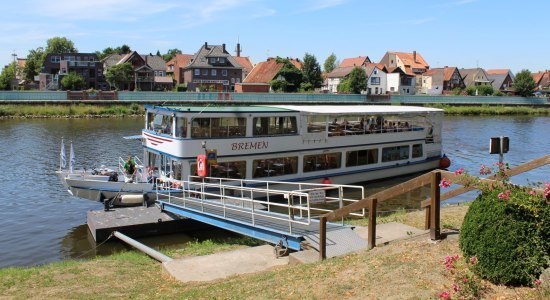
[{"x": 340, "y": 241}]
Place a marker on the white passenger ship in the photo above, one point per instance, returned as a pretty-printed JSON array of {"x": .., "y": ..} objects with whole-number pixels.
[{"x": 318, "y": 143}]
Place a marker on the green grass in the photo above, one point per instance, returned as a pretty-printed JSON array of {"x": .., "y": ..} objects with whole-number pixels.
[
  {"x": 492, "y": 110},
  {"x": 78, "y": 110}
]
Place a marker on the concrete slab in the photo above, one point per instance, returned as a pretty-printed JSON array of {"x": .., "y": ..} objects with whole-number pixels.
[
  {"x": 222, "y": 265},
  {"x": 390, "y": 232},
  {"x": 303, "y": 257}
]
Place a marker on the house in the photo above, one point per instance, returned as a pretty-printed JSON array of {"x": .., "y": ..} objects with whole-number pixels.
[
  {"x": 336, "y": 76},
  {"x": 58, "y": 65},
  {"x": 411, "y": 63},
  {"x": 176, "y": 65},
  {"x": 212, "y": 68},
  {"x": 262, "y": 74},
  {"x": 377, "y": 79},
  {"x": 360, "y": 61},
  {"x": 146, "y": 69},
  {"x": 542, "y": 80},
  {"x": 399, "y": 82},
  {"x": 439, "y": 81},
  {"x": 474, "y": 77},
  {"x": 502, "y": 79}
]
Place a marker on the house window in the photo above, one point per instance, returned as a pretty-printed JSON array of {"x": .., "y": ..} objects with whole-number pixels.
[
  {"x": 205, "y": 72},
  {"x": 224, "y": 72},
  {"x": 222, "y": 60},
  {"x": 391, "y": 61},
  {"x": 392, "y": 89},
  {"x": 213, "y": 72},
  {"x": 212, "y": 60},
  {"x": 376, "y": 90},
  {"x": 375, "y": 80},
  {"x": 197, "y": 71},
  {"x": 375, "y": 72},
  {"x": 55, "y": 59},
  {"x": 232, "y": 80},
  {"x": 237, "y": 80}
]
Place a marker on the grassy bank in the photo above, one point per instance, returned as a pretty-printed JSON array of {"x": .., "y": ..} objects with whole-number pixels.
[
  {"x": 68, "y": 111},
  {"x": 406, "y": 269},
  {"x": 492, "y": 110},
  {"x": 86, "y": 110}
]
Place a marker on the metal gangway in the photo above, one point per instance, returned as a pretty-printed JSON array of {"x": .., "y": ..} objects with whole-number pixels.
[{"x": 281, "y": 213}]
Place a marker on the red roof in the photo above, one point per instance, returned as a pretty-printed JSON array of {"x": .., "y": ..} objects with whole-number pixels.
[
  {"x": 266, "y": 71},
  {"x": 245, "y": 62},
  {"x": 447, "y": 72},
  {"x": 498, "y": 72},
  {"x": 355, "y": 62},
  {"x": 180, "y": 60},
  {"x": 408, "y": 60}
]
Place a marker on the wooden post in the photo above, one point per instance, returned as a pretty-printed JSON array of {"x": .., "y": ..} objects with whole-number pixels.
[
  {"x": 323, "y": 238},
  {"x": 427, "y": 218},
  {"x": 372, "y": 224},
  {"x": 435, "y": 205}
]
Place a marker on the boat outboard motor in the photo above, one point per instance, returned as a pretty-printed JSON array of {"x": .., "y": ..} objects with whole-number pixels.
[{"x": 113, "y": 177}]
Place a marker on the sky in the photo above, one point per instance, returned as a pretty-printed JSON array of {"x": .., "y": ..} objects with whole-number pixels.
[{"x": 492, "y": 34}]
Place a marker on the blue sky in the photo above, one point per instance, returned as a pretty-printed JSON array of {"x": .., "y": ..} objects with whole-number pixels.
[{"x": 463, "y": 33}]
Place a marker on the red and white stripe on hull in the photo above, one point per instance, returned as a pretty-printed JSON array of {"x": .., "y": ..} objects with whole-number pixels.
[{"x": 156, "y": 140}]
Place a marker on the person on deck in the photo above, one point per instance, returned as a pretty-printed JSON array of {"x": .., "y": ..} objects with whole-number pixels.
[{"x": 130, "y": 168}]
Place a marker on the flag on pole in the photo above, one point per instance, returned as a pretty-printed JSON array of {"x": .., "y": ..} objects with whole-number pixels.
[
  {"x": 62, "y": 158},
  {"x": 72, "y": 159}
]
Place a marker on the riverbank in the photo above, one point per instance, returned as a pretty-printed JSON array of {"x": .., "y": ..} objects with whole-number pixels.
[
  {"x": 120, "y": 110},
  {"x": 411, "y": 268}
]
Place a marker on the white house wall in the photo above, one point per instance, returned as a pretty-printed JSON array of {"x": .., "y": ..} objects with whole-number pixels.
[
  {"x": 377, "y": 89},
  {"x": 392, "y": 81}
]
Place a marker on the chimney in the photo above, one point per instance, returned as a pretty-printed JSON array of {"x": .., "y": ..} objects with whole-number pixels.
[
  {"x": 238, "y": 49},
  {"x": 414, "y": 56},
  {"x": 223, "y": 48},
  {"x": 205, "y": 45}
]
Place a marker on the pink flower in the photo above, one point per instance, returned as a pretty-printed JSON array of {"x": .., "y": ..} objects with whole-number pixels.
[
  {"x": 449, "y": 261},
  {"x": 538, "y": 282},
  {"x": 459, "y": 171},
  {"x": 503, "y": 196},
  {"x": 464, "y": 279},
  {"x": 445, "y": 295},
  {"x": 445, "y": 183},
  {"x": 473, "y": 260},
  {"x": 532, "y": 193},
  {"x": 456, "y": 287},
  {"x": 484, "y": 170},
  {"x": 546, "y": 189}
]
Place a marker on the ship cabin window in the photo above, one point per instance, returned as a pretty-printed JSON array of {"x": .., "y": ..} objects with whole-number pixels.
[
  {"x": 160, "y": 123},
  {"x": 265, "y": 126},
  {"x": 218, "y": 127},
  {"x": 274, "y": 166},
  {"x": 346, "y": 125},
  {"x": 181, "y": 127},
  {"x": 232, "y": 169},
  {"x": 316, "y": 124},
  {"x": 395, "y": 153},
  {"x": 361, "y": 157},
  {"x": 320, "y": 162},
  {"x": 417, "y": 151}
]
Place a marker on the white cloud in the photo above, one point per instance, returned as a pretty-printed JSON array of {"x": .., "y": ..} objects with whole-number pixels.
[{"x": 322, "y": 4}]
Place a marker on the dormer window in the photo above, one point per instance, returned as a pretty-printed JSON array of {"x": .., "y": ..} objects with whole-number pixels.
[
  {"x": 222, "y": 60},
  {"x": 212, "y": 60}
]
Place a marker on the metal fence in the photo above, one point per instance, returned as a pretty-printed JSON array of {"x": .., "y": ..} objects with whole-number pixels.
[{"x": 256, "y": 98}]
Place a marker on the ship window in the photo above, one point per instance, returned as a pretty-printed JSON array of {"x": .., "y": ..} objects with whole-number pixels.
[
  {"x": 233, "y": 169},
  {"x": 274, "y": 126},
  {"x": 417, "y": 151},
  {"x": 361, "y": 157},
  {"x": 316, "y": 124},
  {"x": 218, "y": 127},
  {"x": 395, "y": 153},
  {"x": 320, "y": 162},
  {"x": 274, "y": 166},
  {"x": 160, "y": 123},
  {"x": 181, "y": 127}
]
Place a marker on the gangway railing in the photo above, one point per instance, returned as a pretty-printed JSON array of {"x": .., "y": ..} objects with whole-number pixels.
[
  {"x": 140, "y": 168},
  {"x": 254, "y": 201}
]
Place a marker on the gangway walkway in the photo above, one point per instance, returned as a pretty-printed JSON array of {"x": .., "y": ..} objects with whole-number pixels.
[{"x": 281, "y": 213}]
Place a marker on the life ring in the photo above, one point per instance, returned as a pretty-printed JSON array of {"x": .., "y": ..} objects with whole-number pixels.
[
  {"x": 327, "y": 180},
  {"x": 444, "y": 162}
]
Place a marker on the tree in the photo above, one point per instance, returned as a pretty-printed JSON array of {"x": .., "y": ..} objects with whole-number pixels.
[
  {"x": 73, "y": 81},
  {"x": 118, "y": 75},
  {"x": 7, "y": 76},
  {"x": 35, "y": 58},
  {"x": 124, "y": 49},
  {"x": 355, "y": 82},
  {"x": 290, "y": 74},
  {"x": 524, "y": 84},
  {"x": 330, "y": 63},
  {"x": 60, "y": 45},
  {"x": 311, "y": 71},
  {"x": 171, "y": 54},
  {"x": 158, "y": 53}
]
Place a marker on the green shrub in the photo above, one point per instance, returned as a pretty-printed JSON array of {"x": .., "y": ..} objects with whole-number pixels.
[
  {"x": 181, "y": 88},
  {"x": 498, "y": 93},
  {"x": 508, "y": 230},
  {"x": 482, "y": 90}
]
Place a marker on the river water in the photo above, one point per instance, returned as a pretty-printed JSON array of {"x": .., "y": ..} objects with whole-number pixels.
[{"x": 40, "y": 222}]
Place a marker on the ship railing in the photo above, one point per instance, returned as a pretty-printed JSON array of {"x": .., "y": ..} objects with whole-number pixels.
[{"x": 141, "y": 172}]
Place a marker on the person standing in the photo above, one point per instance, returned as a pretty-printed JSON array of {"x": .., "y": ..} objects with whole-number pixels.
[{"x": 130, "y": 169}]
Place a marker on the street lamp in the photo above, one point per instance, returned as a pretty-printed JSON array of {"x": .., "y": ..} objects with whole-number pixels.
[{"x": 14, "y": 81}]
